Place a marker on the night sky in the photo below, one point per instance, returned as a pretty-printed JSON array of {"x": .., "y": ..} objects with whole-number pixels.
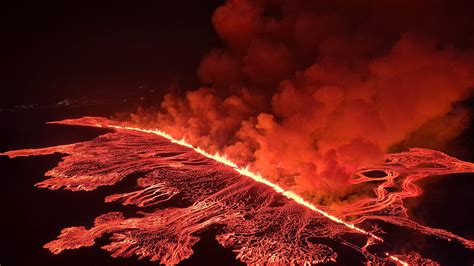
[
  {"x": 58, "y": 50},
  {"x": 111, "y": 57}
]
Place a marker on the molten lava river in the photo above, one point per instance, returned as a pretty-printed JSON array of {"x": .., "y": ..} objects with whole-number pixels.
[{"x": 182, "y": 191}]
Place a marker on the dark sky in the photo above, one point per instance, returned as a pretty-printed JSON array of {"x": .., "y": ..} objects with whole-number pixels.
[
  {"x": 99, "y": 49},
  {"x": 61, "y": 49}
]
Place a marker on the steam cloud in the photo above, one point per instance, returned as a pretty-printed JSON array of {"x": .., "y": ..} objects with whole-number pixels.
[{"x": 309, "y": 91}]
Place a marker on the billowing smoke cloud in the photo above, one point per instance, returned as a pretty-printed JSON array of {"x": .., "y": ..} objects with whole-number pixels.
[{"x": 308, "y": 91}]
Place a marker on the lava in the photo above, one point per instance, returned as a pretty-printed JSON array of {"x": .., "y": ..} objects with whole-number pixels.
[
  {"x": 183, "y": 190},
  {"x": 255, "y": 176},
  {"x": 396, "y": 259}
]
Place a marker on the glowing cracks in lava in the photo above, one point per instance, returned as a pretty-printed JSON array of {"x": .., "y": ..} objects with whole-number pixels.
[
  {"x": 255, "y": 176},
  {"x": 397, "y": 260},
  {"x": 219, "y": 191}
]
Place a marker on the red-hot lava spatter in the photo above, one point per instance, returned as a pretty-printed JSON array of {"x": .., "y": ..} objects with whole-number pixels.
[{"x": 260, "y": 221}]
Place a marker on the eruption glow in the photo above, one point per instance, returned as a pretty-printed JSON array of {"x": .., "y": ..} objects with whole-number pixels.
[
  {"x": 246, "y": 172},
  {"x": 284, "y": 146},
  {"x": 258, "y": 223}
]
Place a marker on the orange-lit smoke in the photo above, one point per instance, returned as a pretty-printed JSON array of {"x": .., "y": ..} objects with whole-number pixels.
[{"x": 309, "y": 91}]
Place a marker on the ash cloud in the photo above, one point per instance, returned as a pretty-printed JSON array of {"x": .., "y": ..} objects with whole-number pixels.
[{"x": 309, "y": 91}]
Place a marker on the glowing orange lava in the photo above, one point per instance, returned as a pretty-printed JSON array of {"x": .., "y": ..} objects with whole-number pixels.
[
  {"x": 261, "y": 221},
  {"x": 246, "y": 172},
  {"x": 397, "y": 260}
]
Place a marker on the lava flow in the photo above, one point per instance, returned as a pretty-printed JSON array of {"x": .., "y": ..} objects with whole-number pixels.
[
  {"x": 255, "y": 176},
  {"x": 184, "y": 190}
]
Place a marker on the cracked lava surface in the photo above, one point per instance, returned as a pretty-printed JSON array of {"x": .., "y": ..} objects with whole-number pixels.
[{"x": 261, "y": 222}]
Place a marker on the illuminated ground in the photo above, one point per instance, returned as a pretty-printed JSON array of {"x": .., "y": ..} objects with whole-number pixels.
[{"x": 182, "y": 193}]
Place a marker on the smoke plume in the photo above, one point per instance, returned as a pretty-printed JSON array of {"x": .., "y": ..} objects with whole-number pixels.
[{"x": 306, "y": 92}]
